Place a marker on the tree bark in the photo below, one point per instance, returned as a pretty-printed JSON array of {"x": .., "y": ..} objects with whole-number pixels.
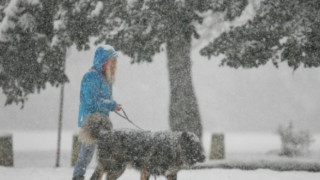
[{"x": 184, "y": 112}]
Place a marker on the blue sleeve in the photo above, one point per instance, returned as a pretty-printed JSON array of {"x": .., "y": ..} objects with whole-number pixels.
[{"x": 91, "y": 85}]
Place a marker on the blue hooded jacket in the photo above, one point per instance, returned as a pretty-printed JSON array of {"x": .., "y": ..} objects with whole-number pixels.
[{"x": 95, "y": 95}]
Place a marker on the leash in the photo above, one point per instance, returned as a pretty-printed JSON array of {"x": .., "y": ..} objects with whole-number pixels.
[{"x": 126, "y": 118}]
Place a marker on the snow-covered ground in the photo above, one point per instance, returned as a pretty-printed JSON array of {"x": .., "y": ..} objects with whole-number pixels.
[
  {"x": 35, "y": 157},
  {"x": 129, "y": 174},
  {"x": 38, "y": 148}
]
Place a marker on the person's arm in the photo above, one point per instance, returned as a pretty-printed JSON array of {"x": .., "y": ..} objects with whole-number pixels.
[{"x": 91, "y": 89}]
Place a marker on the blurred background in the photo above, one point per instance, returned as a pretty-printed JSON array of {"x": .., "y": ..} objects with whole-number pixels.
[{"x": 248, "y": 106}]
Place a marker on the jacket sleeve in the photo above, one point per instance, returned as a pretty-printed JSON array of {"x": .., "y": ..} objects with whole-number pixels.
[{"x": 91, "y": 91}]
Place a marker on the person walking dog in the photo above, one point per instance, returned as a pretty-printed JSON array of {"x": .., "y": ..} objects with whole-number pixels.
[{"x": 96, "y": 101}]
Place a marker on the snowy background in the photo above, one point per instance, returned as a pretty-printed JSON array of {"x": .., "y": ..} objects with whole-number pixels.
[
  {"x": 246, "y": 105},
  {"x": 229, "y": 99}
]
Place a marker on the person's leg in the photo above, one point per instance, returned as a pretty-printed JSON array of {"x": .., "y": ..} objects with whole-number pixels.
[{"x": 84, "y": 158}]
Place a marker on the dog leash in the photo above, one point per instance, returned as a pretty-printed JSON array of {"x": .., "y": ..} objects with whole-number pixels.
[{"x": 126, "y": 118}]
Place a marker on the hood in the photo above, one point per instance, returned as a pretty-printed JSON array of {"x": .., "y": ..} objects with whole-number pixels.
[{"x": 103, "y": 53}]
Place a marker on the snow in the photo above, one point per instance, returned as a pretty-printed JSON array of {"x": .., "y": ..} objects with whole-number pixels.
[
  {"x": 229, "y": 100},
  {"x": 27, "y": 22},
  {"x": 97, "y": 9},
  {"x": 35, "y": 157},
  {"x": 9, "y": 11},
  {"x": 39, "y": 147},
  {"x": 207, "y": 174}
]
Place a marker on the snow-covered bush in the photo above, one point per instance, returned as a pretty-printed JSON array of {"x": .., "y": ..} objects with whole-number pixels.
[{"x": 294, "y": 143}]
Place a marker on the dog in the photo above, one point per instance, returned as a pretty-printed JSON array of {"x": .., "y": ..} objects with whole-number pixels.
[{"x": 152, "y": 153}]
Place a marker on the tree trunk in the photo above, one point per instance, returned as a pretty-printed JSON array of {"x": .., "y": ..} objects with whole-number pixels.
[{"x": 184, "y": 112}]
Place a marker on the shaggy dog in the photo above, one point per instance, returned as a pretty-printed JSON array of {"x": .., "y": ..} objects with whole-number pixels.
[{"x": 153, "y": 153}]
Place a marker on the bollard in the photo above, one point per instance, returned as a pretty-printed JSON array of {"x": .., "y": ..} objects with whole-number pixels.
[
  {"x": 75, "y": 149},
  {"x": 6, "y": 150},
  {"x": 217, "y": 147}
]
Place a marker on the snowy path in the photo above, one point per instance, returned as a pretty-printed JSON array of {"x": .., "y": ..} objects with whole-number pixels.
[{"x": 207, "y": 174}]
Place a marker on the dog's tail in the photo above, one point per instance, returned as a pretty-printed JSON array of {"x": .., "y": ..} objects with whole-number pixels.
[{"x": 95, "y": 123}]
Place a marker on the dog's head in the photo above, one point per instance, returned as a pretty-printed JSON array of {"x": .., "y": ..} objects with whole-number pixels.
[{"x": 191, "y": 148}]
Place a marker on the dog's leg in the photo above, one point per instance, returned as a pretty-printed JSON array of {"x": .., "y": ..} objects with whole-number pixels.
[
  {"x": 171, "y": 176},
  {"x": 97, "y": 175},
  {"x": 144, "y": 174},
  {"x": 113, "y": 175}
]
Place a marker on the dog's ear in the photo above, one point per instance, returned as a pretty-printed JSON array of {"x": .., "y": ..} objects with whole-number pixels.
[
  {"x": 189, "y": 140},
  {"x": 185, "y": 137}
]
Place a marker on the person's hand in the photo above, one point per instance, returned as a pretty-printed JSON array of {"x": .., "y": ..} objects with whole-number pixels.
[{"x": 118, "y": 107}]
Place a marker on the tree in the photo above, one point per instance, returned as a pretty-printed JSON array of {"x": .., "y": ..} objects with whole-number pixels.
[
  {"x": 138, "y": 28},
  {"x": 142, "y": 28},
  {"x": 31, "y": 53},
  {"x": 3, "y": 4},
  {"x": 282, "y": 31}
]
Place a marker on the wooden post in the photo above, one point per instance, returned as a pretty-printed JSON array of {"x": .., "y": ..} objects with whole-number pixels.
[
  {"x": 75, "y": 149},
  {"x": 217, "y": 147},
  {"x": 6, "y": 150},
  {"x": 60, "y": 115}
]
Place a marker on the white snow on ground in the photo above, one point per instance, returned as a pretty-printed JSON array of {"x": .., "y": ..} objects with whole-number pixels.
[
  {"x": 38, "y": 148},
  {"x": 207, "y": 174},
  {"x": 35, "y": 156}
]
